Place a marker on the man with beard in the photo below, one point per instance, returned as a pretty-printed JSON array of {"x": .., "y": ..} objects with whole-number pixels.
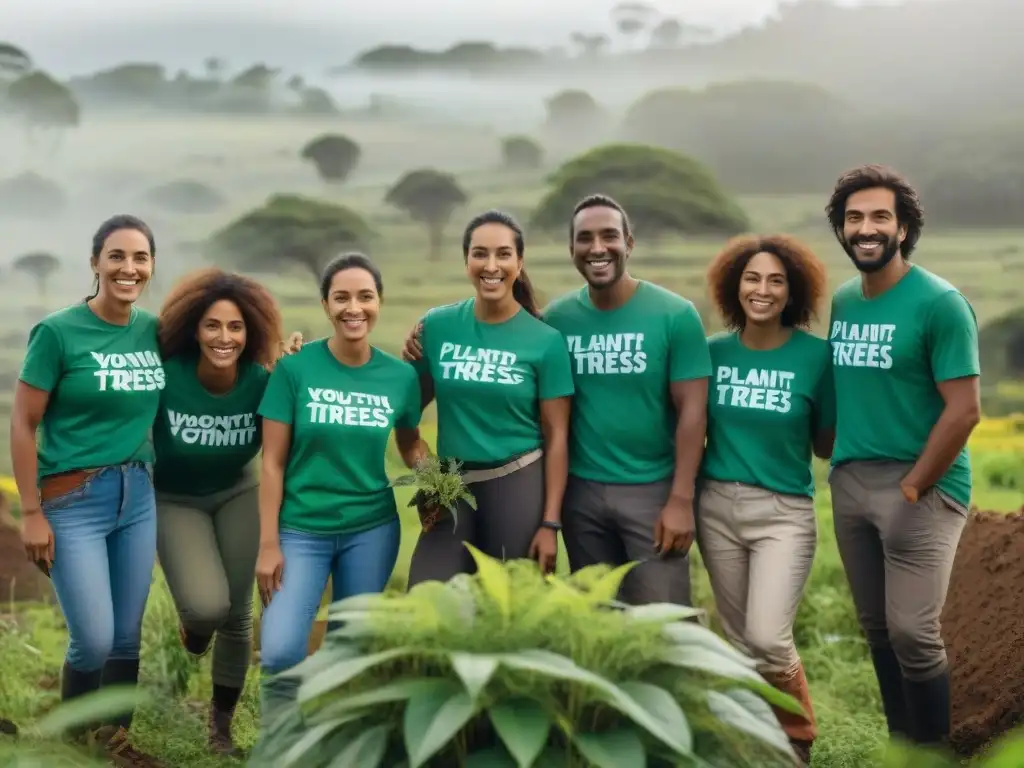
[
  {"x": 641, "y": 367},
  {"x": 905, "y": 361}
]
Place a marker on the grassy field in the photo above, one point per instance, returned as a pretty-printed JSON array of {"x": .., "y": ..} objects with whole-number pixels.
[{"x": 253, "y": 161}]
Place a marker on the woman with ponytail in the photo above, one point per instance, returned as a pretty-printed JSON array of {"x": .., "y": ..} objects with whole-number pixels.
[{"x": 503, "y": 384}]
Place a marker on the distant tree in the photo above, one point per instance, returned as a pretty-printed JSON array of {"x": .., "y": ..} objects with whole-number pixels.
[
  {"x": 429, "y": 197},
  {"x": 296, "y": 84},
  {"x": 316, "y": 101},
  {"x": 40, "y": 266},
  {"x": 186, "y": 196},
  {"x": 667, "y": 34},
  {"x": 29, "y": 195},
  {"x": 48, "y": 107},
  {"x": 334, "y": 156},
  {"x": 632, "y": 18},
  {"x": 14, "y": 62},
  {"x": 214, "y": 66},
  {"x": 290, "y": 230},
  {"x": 568, "y": 110},
  {"x": 258, "y": 77},
  {"x": 664, "y": 192},
  {"x": 590, "y": 45},
  {"x": 521, "y": 152}
]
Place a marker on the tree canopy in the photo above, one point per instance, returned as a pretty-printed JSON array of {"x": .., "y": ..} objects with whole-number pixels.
[
  {"x": 429, "y": 197},
  {"x": 521, "y": 153},
  {"x": 291, "y": 230},
  {"x": 334, "y": 156},
  {"x": 40, "y": 265},
  {"x": 662, "y": 191}
]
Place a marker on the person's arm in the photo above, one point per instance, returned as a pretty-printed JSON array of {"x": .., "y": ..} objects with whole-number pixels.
[
  {"x": 555, "y": 389},
  {"x": 956, "y": 368},
  {"x": 277, "y": 440},
  {"x": 689, "y": 373},
  {"x": 411, "y": 447},
  {"x": 823, "y": 426}
]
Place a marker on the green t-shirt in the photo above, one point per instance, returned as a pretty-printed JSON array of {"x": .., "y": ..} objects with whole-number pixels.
[
  {"x": 623, "y": 417},
  {"x": 204, "y": 441},
  {"x": 341, "y": 419},
  {"x": 888, "y": 353},
  {"x": 764, "y": 409},
  {"x": 104, "y": 382},
  {"x": 489, "y": 379}
]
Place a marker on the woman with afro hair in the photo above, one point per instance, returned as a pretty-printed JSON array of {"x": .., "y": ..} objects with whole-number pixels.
[
  {"x": 220, "y": 335},
  {"x": 770, "y": 407}
]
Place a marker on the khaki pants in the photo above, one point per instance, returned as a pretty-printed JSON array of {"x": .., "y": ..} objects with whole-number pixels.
[
  {"x": 758, "y": 548},
  {"x": 898, "y": 559}
]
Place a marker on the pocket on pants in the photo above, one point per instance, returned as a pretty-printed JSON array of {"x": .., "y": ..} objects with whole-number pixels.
[{"x": 66, "y": 489}]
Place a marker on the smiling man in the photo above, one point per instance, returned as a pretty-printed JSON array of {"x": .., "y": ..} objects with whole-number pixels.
[
  {"x": 641, "y": 367},
  {"x": 906, "y": 369}
]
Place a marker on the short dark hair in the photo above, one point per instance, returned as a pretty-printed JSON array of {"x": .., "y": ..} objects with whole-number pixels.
[
  {"x": 197, "y": 291},
  {"x": 909, "y": 211},
  {"x": 599, "y": 201},
  {"x": 352, "y": 260},
  {"x": 109, "y": 227},
  {"x": 807, "y": 277},
  {"x": 522, "y": 288}
]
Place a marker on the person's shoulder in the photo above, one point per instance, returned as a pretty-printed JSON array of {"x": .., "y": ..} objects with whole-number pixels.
[
  {"x": 254, "y": 374},
  {"x": 392, "y": 365},
  {"x": 655, "y": 295},
  {"x": 144, "y": 316},
  {"x": 849, "y": 289},
  {"x": 566, "y": 303},
  {"x": 930, "y": 285},
  {"x": 443, "y": 312},
  {"x": 811, "y": 344},
  {"x": 721, "y": 339},
  {"x": 65, "y": 317},
  {"x": 307, "y": 353}
]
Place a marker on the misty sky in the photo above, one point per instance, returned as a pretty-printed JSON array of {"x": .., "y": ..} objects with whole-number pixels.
[{"x": 72, "y": 34}]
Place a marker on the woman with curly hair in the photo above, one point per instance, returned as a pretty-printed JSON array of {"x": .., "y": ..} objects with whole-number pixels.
[
  {"x": 220, "y": 335},
  {"x": 770, "y": 407}
]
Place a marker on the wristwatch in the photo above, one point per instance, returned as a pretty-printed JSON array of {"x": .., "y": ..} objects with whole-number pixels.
[{"x": 551, "y": 524}]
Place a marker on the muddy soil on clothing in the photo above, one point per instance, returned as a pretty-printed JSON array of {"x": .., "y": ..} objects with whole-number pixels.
[
  {"x": 983, "y": 628},
  {"x": 20, "y": 580}
]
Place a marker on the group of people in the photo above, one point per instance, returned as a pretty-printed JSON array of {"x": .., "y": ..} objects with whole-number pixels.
[{"x": 608, "y": 416}]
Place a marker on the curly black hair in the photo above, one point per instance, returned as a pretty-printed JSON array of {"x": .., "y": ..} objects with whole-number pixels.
[
  {"x": 808, "y": 280},
  {"x": 909, "y": 212}
]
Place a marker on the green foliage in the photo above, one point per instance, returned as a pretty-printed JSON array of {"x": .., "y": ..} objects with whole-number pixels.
[
  {"x": 1007, "y": 752},
  {"x": 430, "y": 197},
  {"x": 186, "y": 196},
  {"x": 662, "y": 191},
  {"x": 438, "y": 485},
  {"x": 521, "y": 153},
  {"x": 40, "y": 265},
  {"x": 467, "y": 56},
  {"x": 508, "y": 667},
  {"x": 334, "y": 156},
  {"x": 14, "y": 61},
  {"x": 572, "y": 109},
  {"x": 291, "y": 229},
  {"x": 43, "y": 102},
  {"x": 31, "y": 195}
]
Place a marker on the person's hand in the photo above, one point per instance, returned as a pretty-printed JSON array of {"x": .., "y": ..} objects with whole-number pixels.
[
  {"x": 293, "y": 344},
  {"x": 413, "y": 350},
  {"x": 269, "y": 570},
  {"x": 910, "y": 492},
  {"x": 674, "y": 530},
  {"x": 544, "y": 549},
  {"x": 37, "y": 536}
]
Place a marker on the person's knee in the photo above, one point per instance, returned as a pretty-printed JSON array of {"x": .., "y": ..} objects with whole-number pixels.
[
  {"x": 772, "y": 647},
  {"x": 90, "y": 646},
  {"x": 281, "y": 647},
  {"x": 658, "y": 581},
  {"x": 918, "y": 647},
  {"x": 204, "y": 615}
]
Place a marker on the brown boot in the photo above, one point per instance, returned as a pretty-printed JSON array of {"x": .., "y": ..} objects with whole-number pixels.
[
  {"x": 221, "y": 742},
  {"x": 115, "y": 742},
  {"x": 801, "y": 730}
]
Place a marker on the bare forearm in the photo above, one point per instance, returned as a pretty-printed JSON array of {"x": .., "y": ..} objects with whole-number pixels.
[
  {"x": 25, "y": 463},
  {"x": 556, "y": 472},
  {"x": 690, "y": 433},
  {"x": 947, "y": 438},
  {"x": 271, "y": 495},
  {"x": 414, "y": 452}
]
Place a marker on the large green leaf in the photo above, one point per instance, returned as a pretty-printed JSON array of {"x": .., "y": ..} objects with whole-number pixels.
[
  {"x": 345, "y": 670},
  {"x": 494, "y": 578},
  {"x": 554, "y": 665},
  {"x": 475, "y": 671},
  {"x": 612, "y": 749},
  {"x": 325, "y": 658},
  {"x": 708, "y": 661},
  {"x": 689, "y": 634},
  {"x": 661, "y": 706},
  {"x": 523, "y": 726},
  {"x": 433, "y": 717},
  {"x": 492, "y": 757},
  {"x": 606, "y": 588},
  {"x": 314, "y": 738},
  {"x": 730, "y": 711},
  {"x": 85, "y": 710},
  {"x": 365, "y": 750},
  {"x": 402, "y": 689},
  {"x": 663, "y": 613}
]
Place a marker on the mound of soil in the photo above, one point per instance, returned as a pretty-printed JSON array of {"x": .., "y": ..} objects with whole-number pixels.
[
  {"x": 983, "y": 627},
  {"x": 20, "y": 580}
]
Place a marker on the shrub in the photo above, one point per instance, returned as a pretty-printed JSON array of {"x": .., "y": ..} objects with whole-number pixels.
[
  {"x": 30, "y": 195},
  {"x": 521, "y": 153},
  {"x": 663, "y": 192},
  {"x": 431, "y": 198},
  {"x": 335, "y": 157},
  {"x": 508, "y": 667},
  {"x": 571, "y": 109},
  {"x": 186, "y": 196},
  {"x": 291, "y": 230}
]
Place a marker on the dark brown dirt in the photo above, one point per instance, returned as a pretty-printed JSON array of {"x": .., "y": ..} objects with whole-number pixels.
[
  {"x": 20, "y": 580},
  {"x": 983, "y": 627}
]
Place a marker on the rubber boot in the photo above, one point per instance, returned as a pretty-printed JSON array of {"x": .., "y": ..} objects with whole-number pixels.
[
  {"x": 121, "y": 672},
  {"x": 221, "y": 742},
  {"x": 801, "y": 729},
  {"x": 929, "y": 706},
  {"x": 889, "y": 675},
  {"x": 73, "y": 684}
]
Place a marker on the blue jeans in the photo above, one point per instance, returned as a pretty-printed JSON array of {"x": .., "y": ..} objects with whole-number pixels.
[
  {"x": 358, "y": 563},
  {"x": 104, "y": 551}
]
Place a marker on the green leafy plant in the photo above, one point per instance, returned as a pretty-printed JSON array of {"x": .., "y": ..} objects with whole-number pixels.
[
  {"x": 508, "y": 667},
  {"x": 440, "y": 488}
]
